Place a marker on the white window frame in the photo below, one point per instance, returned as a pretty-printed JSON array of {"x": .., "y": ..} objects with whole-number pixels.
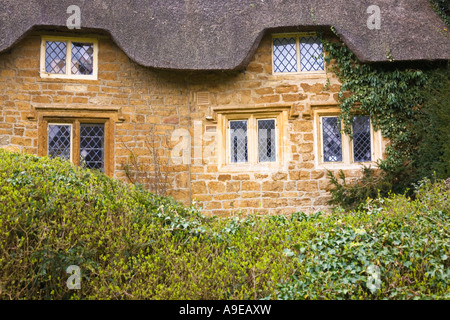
[
  {"x": 297, "y": 36},
  {"x": 229, "y": 141},
  {"x": 377, "y": 145},
  {"x": 343, "y": 142},
  {"x": 71, "y": 136},
  {"x": 276, "y": 139},
  {"x": 68, "y": 74},
  {"x": 252, "y": 141}
]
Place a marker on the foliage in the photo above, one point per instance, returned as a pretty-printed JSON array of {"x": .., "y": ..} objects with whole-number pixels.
[
  {"x": 128, "y": 243},
  {"x": 131, "y": 244},
  {"x": 388, "y": 93},
  {"x": 442, "y": 8},
  {"x": 407, "y": 241},
  {"x": 351, "y": 195},
  {"x": 432, "y": 155},
  {"x": 409, "y": 105}
]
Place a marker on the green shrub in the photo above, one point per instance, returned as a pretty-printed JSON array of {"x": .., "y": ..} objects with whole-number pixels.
[
  {"x": 408, "y": 241},
  {"x": 432, "y": 155},
  {"x": 131, "y": 244},
  {"x": 128, "y": 243},
  {"x": 351, "y": 196}
]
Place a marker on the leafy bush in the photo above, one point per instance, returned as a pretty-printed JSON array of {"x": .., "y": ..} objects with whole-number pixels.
[
  {"x": 128, "y": 243},
  {"x": 131, "y": 244},
  {"x": 408, "y": 242},
  {"x": 350, "y": 196}
]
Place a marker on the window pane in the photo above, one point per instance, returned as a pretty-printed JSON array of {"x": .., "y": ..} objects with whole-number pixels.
[
  {"x": 92, "y": 137},
  {"x": 55, "y": 57},
  {"x": 285, "y": 54},
  {"x": 238, "y": 141},
  {"x": 59, "y": 141},
  {"x": 361, "y": 139},
  {"x": 332, "y": 140},
  {"x": 82, "y": 58},
  {"x": 266, "y": 141},
  {"x": 311, "y": 54}
]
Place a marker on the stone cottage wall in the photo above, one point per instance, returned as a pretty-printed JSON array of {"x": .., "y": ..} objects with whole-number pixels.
[
  {"x": 157, "y": 106},
  {"x": 299, "y": 186}
]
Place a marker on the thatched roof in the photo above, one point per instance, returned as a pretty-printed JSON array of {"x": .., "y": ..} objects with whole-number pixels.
[{"x": 224, "y": 34}]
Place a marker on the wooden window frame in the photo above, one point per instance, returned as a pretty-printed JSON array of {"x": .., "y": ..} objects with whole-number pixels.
[
  {"x": 68, "y": 74},
  {"x": 75, "y": 145},
  {"x": 347, "y": 162},
  {"x": 297, "y": 37},
  {"x": 66, "y": 114}
]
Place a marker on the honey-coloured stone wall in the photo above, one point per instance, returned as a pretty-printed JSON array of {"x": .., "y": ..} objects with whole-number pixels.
[{"x": 156, "y": 109}]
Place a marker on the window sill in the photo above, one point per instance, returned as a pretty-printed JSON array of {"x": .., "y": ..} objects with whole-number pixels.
[
  {"x": 45, "y": 75},
  {"x": 346, "y": 166},
  {"x": 248, "y": 167},
  {"x": 296, "y": 75}
]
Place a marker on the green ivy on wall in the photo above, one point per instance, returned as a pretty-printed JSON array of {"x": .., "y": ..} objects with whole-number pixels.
[{"x": 394, "y": 95}]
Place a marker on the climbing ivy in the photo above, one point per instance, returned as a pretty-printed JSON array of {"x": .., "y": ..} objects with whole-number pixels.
[
  {"x": 392, "y": 95},
  {"x": 389, "y": 93}
]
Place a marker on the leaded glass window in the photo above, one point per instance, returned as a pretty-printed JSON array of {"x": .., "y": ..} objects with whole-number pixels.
[
  {"x": 82, "y": 58},
  {"x": 91, "y": 143},
  {"x": 69, "y": 58},
  {"x": 331, "y": 139},
  {"x": 92, "y": 138},
  {"x": 266, "y": 140},
  {"x": 286, "y": 57},
  {"x": 285, "y": 54},
  {"x": 362, "y": 150},
  {"x": 311, "y": 54},
  {"x": 60, "y": 141},
  {"x": 55, "y": 57},
  {"x": 238, "y": 141}
]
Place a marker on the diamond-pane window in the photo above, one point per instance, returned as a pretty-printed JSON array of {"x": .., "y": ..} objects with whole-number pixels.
[
  {"x": 286, "y": 57},
  {"x": 266, "y": 140},
  {"x": 69, "y": 58},
  {"x": 332, "y": 140},
  {"x": 362, "y": 150},
  {"x": 82, "y": 58},
  {"x": 311, "y": 54},
  {"x": 285, "y": 54},
  {"x": 59, "y": 141},
  {"x": 238, "y": 141},
  {"x": 55, "y": 57},
  {"x": 92, "y": 137}
]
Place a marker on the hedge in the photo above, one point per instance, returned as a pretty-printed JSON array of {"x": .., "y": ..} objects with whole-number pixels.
[{"x": 131, "y": 244}]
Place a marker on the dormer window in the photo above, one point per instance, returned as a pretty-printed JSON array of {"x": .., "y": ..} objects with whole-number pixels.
[
  {"x": 69, "y": 58},
  {"x": 298, "y": 53}
]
